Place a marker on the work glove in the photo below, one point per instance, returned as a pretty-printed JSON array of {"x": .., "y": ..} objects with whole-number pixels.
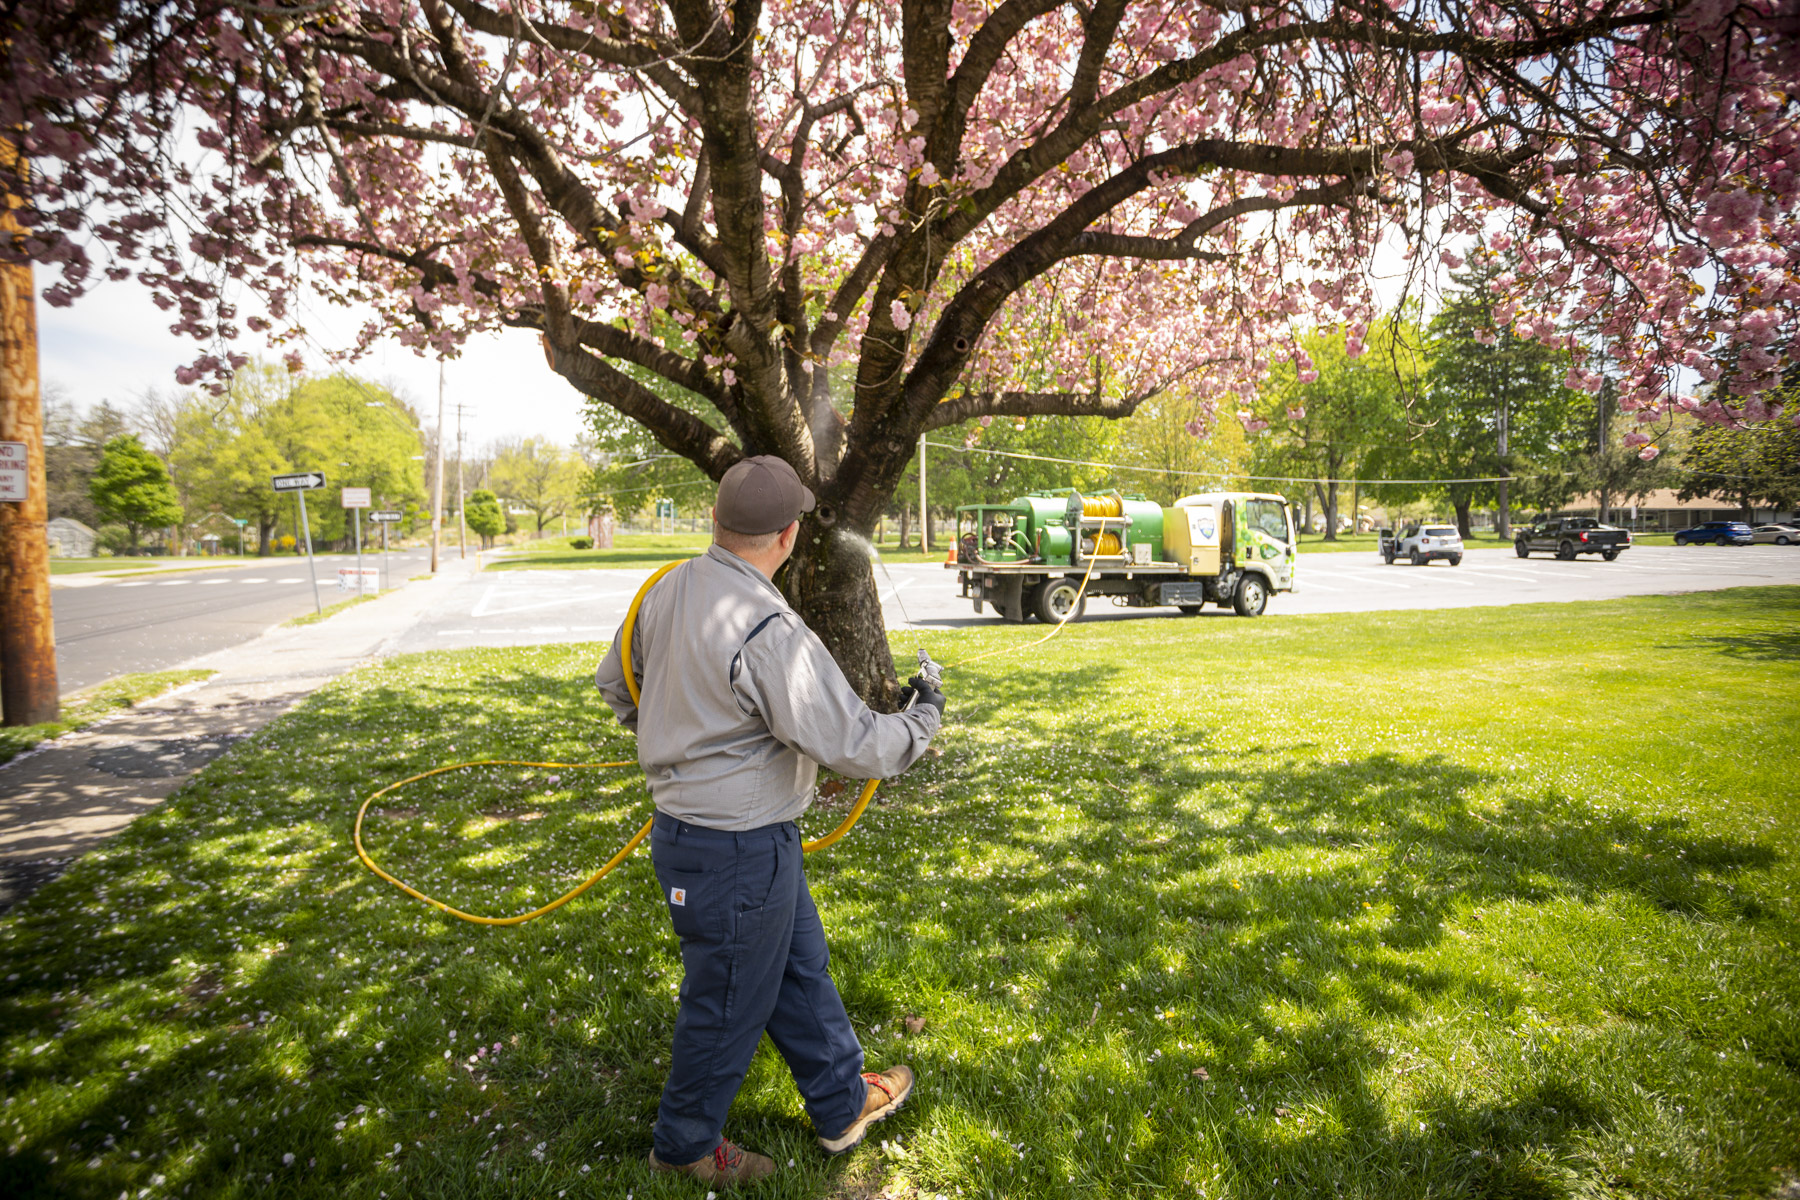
[{"x": 925, "y": 692}]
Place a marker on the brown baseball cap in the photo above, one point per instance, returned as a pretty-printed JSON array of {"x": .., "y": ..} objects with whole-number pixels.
[{"x": 761, "y": 495}]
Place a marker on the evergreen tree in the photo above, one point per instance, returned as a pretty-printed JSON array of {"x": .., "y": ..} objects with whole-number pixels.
[{"x": 1494, "y": 404}]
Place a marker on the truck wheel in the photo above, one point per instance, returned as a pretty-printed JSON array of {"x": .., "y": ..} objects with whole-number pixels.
[
  {"x": 1190, "y": 610},
  {"x": 1033, "y": 598},
  {"x": 1609, "y": 555},
  {"x": 1057, "y": 601},
  {"x": 1522, "y": 549},
  {"x": 1456, "y": 560},
  {"x": 1252, "y": 597},
  {"x": 1566, "y": 551},
  {"x": 1418, "y": 560}
]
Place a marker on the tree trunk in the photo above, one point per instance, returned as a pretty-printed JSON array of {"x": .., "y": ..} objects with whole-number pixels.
[
  {"x": 1462, "y": 516},
  {"x": 1331, "y": 511},
  {"x": 265, "y": 534},
  {"x": 1503, "y": 514},
  {"x": 905, "y": 512},
  {"x": 830, "y": 581}
]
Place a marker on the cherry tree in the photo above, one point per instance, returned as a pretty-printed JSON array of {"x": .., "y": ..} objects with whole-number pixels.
[{"x": 965, "y": 208}]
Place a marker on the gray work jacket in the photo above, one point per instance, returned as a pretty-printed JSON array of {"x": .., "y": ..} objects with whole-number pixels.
[{"x": 741, "y": 703}]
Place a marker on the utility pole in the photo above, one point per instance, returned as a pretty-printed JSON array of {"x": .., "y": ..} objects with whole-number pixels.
[
  {"x": 462, "y": 528},
  {"x": 437, "y": 480},
  {"x": 1504, "y": 515},
  {"x": 924, "y": 527},
  {"x": 27, "y": 630}
]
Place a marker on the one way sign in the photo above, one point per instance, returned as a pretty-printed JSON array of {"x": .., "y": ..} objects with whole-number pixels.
[{"x": 305, "y": 481}]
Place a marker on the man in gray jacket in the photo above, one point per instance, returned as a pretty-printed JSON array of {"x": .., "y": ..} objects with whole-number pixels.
[{"x": 739, "y": 704}]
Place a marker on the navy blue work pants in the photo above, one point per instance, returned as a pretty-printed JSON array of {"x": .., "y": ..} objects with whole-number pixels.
[{"x": 755, "y": 961}]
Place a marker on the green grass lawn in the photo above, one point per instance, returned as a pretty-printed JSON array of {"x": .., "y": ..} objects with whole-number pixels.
[
  {"x": 330, "y": 610},
  {"x": 1188, "y": 907},
  {"x": 83, "y": 708},
  {"x": 629, "y": 550}
]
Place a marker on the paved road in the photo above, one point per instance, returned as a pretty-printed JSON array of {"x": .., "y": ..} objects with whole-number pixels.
[
  {"x": 151, "y": 623},
  {"x": 530, "y": 607},
  {"x": 114, "y": 626}
]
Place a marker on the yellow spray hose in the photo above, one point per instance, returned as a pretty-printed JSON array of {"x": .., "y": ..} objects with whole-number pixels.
[{"x": 631, "y": 685}]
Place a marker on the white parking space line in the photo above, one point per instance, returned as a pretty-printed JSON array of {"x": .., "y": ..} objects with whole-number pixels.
[
  {"x": 213, "y": 582},
  {"x": 891, "y": 592},
  {"x": 1374, "y": 579},
  {"x": 175, "y": 583},
  {"x": 259, "y": 580},
  {"x": 1446, "y": 576},
  {"x": 1509, "y": 573},
  {"x": 138, "y": 583},
  {"x": 295, "y": 579},
  {"x": 1311, "y": 585}
]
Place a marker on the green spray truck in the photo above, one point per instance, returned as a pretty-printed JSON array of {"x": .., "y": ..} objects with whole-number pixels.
[{"x": 1027, "y": 558}]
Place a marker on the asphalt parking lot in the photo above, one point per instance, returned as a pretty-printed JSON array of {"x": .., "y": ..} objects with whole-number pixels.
[{"x": 518, "y": 608}]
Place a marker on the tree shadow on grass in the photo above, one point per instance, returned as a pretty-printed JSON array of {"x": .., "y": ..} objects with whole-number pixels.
[
  {"x": 1119, "y": 939},
  {"x": 1774, "y": 646},
  {"x": 295, "y": 1005}
]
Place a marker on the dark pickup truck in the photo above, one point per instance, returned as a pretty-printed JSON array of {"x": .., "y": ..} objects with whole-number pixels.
[{"x": 1569, "y": 536}]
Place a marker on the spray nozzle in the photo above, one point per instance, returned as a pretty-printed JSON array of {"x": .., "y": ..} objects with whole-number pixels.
[{"x": 934, "y": 674}]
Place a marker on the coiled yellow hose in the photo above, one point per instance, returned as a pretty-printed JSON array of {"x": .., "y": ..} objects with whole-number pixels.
[{"x": 631, "y": 685}]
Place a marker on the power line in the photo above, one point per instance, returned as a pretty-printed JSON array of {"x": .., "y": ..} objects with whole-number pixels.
[{"x": 1222, "y": 475}]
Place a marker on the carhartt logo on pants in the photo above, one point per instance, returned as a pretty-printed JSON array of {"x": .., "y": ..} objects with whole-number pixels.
[{"x": 678, "y": 896}]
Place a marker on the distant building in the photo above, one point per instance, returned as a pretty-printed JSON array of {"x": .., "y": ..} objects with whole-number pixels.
[
  {"x": 69, "y": 538},
  {"x": 1661, "y": 510}
]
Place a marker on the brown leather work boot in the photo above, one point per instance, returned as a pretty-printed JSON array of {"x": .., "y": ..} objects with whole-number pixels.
[
  {"x": 726, "y": 1166},
  {"x": 887, "y": 1092}
]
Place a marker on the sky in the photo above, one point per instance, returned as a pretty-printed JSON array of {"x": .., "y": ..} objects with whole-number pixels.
[{"x": 114, "y": 344}]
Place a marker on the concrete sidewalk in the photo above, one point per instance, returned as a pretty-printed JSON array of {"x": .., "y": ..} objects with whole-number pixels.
[{"x": 65, "y": 797}]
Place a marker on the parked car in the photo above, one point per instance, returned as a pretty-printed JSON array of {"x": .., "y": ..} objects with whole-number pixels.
[
  {"x": 1780, "y": 535},
  {"x": 1719, "y": 533},
  {"x": 1568, "y": 536},
  {"x": 1421, "y": 544}
]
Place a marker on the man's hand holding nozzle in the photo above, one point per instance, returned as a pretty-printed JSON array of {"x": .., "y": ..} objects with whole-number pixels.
[{"x": 920, "y": 690}]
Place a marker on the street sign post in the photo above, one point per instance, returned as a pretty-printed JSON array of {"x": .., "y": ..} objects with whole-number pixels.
[
  {"x": 300, "y": 484},
  {"x": 356, "y": 499},
  {"x": 384, "y": 517},
  {"x": 15, "y": 472},
  {"x": 303, "y": 481}
]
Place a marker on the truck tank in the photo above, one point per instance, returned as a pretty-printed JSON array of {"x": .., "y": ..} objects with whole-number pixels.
[{"x": 1111, "y": 514}]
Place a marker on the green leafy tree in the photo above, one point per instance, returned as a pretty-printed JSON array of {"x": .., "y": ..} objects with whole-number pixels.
[
  {"x": 482, "y": 511},
  {"x": 361, "y": 435},
  {"x": 131, "y": 485},
  {"x": 228, "y": 448},
  {"x": 539, "y": 475},
  {"x": 1748, "y": 464},
  {"x": 1493, "y": 404},
  {"x": 971, "y": 463},
  {"x": 1180, "y": 449},
  {"x": 1327, "y": 421},
  {"x": 72, "y": 446},
  {"x": 629, "y": 470},
  {"x": 271, "y": 422}
]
